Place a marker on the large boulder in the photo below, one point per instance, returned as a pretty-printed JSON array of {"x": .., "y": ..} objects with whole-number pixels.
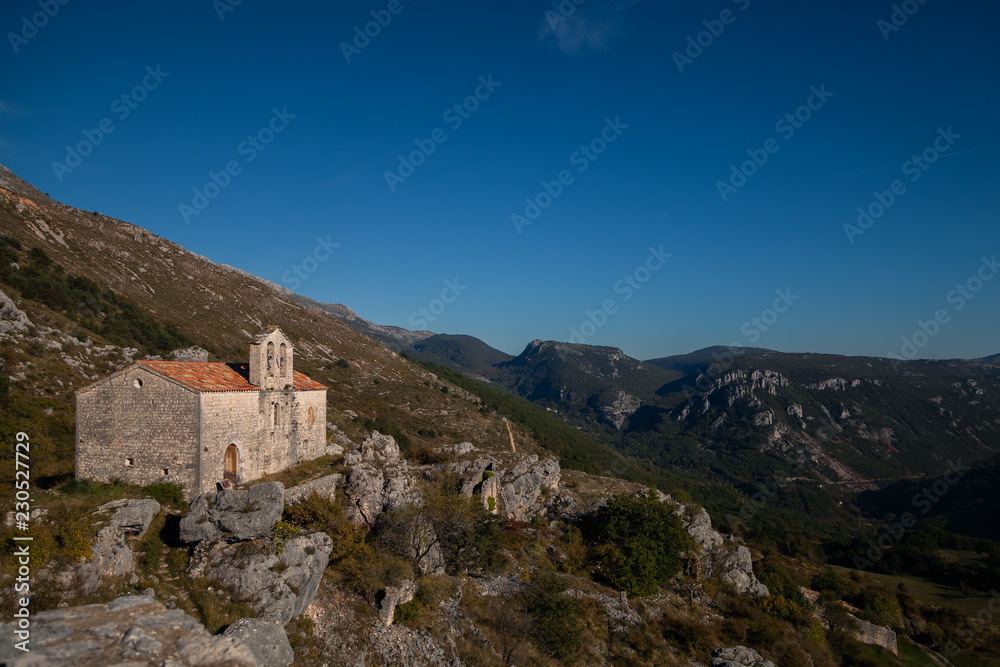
[
  {"x": 265, "y": 639},
  {"x": 739, "y": 656},
  {"x": 133, "y": 630},
  {"x": 111, "y": 551},
  {"x": 364, "y": 490},
  {"x": 234, "y": 515},
  {"x": 379, "y": 480},
  {"x": 736, "y": 568},
  {"x": 278, "y": 585},
  {"x": 521, "y": 486},
  {"x": 377, "y": 449}
]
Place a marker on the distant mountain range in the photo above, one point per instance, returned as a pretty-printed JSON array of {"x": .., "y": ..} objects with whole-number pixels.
[
  {"x": 856, "y": 421},
  {"x": 736, "y": 417}
]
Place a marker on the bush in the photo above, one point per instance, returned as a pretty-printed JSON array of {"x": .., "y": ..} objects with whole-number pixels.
[
  {"x": 317, "y": 513},
  {"x": 556, "y": 617},
  {"x": 167, "y": 494},
  {"x": 639, "y": 541}
]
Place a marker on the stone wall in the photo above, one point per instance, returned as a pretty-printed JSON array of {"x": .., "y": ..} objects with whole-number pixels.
[
  {"x": 138, "y": 427},
  {"x": 142, "y": 428},
  {"x": 247, "y": 420}
]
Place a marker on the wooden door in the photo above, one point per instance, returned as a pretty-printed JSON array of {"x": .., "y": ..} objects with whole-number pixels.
[{"x": 232, "y": 464}]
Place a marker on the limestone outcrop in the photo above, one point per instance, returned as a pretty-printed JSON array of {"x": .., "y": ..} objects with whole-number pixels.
[
  {"x": 379, "y": 480},
  {"x": 11, "y": 317},
  {"x": 519, "y": 492},
  {"x": 111, "y": 551},
  {"x": 326, "y": 487},
  {"x": 523, "y": 485},
  {"x": 132, "y": 630},
  {"x": 739, "y": 656},
  {"x": 733, "y": 564},
  {"x": 394, "y": 596},
  {"x": 234, "y": 515},
  {"x": 278, "y": 585},
  {"x": 266, "y": 640}
]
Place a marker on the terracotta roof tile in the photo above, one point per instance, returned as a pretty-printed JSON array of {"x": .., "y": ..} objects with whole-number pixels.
[{"x": 217, "y": 376}]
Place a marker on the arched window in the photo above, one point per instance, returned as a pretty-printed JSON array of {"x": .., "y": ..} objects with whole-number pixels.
[
  {"x": 282, "y": 359},
  {"x": 310, "y": 417},
  {"x": 270, "y": 358},
  {"x": 277, "y": 415}
]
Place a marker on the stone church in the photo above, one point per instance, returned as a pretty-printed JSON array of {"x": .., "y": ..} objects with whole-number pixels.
[{"x": 198, "y": 423}]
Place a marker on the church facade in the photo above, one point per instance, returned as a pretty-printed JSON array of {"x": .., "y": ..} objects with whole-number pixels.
[{"x": 198, "y": 423}]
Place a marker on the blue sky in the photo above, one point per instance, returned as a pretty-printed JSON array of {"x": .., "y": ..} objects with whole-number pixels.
[{"x": 640, "y": 123}]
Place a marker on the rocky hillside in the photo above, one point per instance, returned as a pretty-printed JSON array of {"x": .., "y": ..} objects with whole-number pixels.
[
  {"x": 855, "y": 420},
  {"x": 858, "y": 421},
  {"x": 62, "y": 338},
  {"x": 438, "y": 529}
]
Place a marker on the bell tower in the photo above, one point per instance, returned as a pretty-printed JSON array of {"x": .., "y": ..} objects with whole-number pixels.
[{"x": 271, "y": 359}]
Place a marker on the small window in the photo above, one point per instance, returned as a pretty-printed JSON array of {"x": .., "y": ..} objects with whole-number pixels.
[
  {"x": 138, "y": 383},
  {"x": 164, "y": 471},
  {"x": 130, "y": 462}
]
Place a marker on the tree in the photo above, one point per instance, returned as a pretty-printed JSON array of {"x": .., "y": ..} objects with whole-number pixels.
[{"x": 639, "y": 543}]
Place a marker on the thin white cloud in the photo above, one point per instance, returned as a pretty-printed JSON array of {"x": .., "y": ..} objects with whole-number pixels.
[{"x": 588, "y": 27}]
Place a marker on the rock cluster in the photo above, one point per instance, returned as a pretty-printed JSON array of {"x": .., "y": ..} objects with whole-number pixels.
[
  {"x": 11, "y": 317},
  {"x": 733, "y": 565},
  {"x": 133, "y": 630},
  {"x": 518, "y": 493},
  {"x": 234, "y": 515},
  {"x": 190, "y": 354},
  {"x": 379, "y": 479},
  {"x": 278, "y": 585}
]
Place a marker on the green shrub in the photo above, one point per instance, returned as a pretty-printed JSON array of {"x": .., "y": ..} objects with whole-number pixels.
[
  {"x": 168, "y": 494},
  {"x": 556, "y": 617},
  {"x": 639, "y": 541}
]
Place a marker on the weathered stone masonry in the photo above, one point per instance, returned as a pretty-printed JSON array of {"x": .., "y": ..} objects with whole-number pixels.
[{"x": 174, "y": 421}]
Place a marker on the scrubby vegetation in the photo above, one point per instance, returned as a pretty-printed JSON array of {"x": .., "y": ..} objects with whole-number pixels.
[{"x": 37, "y": 278}]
